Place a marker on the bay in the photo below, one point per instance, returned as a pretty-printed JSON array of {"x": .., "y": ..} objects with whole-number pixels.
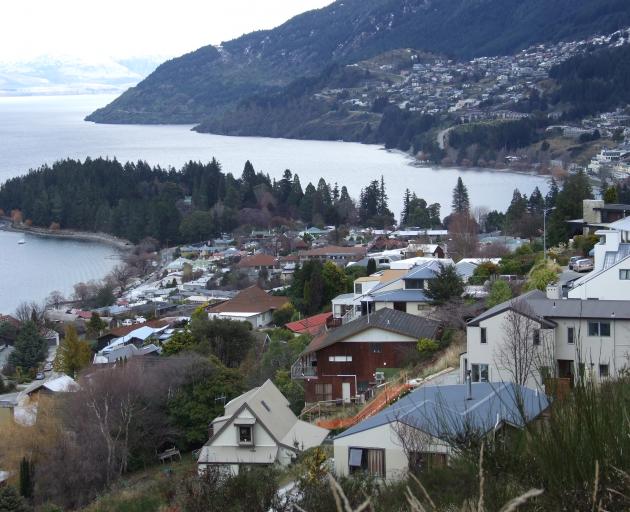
[{"x": 40, "y": 130}]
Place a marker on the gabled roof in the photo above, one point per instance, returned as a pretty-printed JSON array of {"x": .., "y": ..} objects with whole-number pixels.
[
  {"x": 427, "y": 270},
  {"x": 250, "y": 300},
  {"x": 401, "y": 296},
  {"x": 544, "y": 310},
  {"x": 258, "y": 260},
  {"x": 415, "y": 327},
  {"x": 61, "y": 384},
  {"x": 269, "y": 407},
  {"x": 311, "y": 325},
  {"x": 444, "y": 411}
]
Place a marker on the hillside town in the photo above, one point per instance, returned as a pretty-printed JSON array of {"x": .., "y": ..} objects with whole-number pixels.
[{"x": 393, "y": 326}]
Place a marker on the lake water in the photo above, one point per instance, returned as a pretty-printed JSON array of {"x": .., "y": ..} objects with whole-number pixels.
[
  {"x": 30, "y": 271},
  {"x": 38, "y": 130}
]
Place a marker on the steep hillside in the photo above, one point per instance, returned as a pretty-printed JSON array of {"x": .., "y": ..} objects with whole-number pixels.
[{"x": 186, "y": 89}]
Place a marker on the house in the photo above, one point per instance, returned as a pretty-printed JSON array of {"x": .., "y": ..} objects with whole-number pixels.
[
  {"x": 338, "y": 255},
  {"x": 425, "y": 250},
  {"x": 120, "y": 332},
  {"x": 343, "y": 363},
  {"x": 466, "y": 266},
  {"x": 258, "y": 427},
  {"x": 312, "y": 325},
  {"x": 253, "y": 305},
  {"x": 25, "y": 411},
  {"x": 427, "y": 421},
  {"x": 610, "y": 277},
  {"x": 555, "y": 338},
  {"x": 140, "y": 341},
  {"x": 255, "y": 264},
  {"x": 400, "y": 289}
]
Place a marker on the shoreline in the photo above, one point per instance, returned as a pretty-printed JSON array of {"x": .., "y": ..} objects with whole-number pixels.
[{"x": 118, "y": 243}]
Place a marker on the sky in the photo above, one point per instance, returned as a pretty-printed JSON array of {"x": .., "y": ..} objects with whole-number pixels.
[{"x": 133, "y": 28}]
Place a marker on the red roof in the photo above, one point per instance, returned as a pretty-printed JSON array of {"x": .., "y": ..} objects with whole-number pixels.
[
  {"x": 250, "y": 300},
  {"x": 310, "y": 325},
  {"x": 10, "y": 320},
  {"x": 258, "y": 260}
]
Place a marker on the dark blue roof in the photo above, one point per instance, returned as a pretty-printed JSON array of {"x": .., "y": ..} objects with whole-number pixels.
[{"x": 444, "y": 411}]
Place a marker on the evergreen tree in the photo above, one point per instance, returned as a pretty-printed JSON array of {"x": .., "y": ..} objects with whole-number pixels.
[
  {"x": 536, "y": 202},
  {"x": 26, "y": 478},
  {"x": 568, "y": 204},
  {"x": 95, "y": 325},
  {"x": 11, "y": 501},
  {"x": 461, "y": 202},
  {"x": 30, "y": 347},
  {"x": 371, "y": 266},
  {"x": 552, "y": 195},
  {"x": 446, "y": 285},
  {"x": 404, "y": 216}
]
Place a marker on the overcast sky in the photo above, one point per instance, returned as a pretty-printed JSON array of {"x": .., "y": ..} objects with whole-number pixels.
[{"x": 123, "y": 28}]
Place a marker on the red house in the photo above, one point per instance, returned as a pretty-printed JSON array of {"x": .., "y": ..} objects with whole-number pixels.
[{"x": 343, "y": 363}]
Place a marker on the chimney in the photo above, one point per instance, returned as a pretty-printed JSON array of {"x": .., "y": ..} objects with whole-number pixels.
[
  {"x": 554, "y": 291},
  {"x": 469, "y": 382}
]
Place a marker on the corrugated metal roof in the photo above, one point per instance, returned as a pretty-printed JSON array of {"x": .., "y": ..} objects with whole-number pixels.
[
  {"x": 386, "y": 319},
  {"x": 401, "y": 296},
  {"x": 444, "y": 411}
]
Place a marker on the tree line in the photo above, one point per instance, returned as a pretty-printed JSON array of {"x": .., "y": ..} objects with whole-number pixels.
[{"x": 135, "y": 201}]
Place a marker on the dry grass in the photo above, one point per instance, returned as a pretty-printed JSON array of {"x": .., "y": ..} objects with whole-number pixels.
[{"x": 449, "y": 358}]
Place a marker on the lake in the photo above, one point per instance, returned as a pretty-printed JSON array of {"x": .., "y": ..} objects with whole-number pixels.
[{"x": 38, "y": 130}]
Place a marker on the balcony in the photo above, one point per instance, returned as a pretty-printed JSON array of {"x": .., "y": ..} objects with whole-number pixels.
[{"x": 304, "y": 368}]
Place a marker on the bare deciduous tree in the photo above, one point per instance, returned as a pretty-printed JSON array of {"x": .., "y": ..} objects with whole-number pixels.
[
  {"x": 519, "y": 353},
  {"x": 55, "y": 299},
  {"x": 121, "y": 276},
  {"x": 30, "y": 311}
]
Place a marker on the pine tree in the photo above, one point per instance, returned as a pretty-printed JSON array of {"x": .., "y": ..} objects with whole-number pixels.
[
  {"x": 371, "y": 266},
  {"x": 461, "y": 202},
  {"x": 404, "y": 216},
  {"x": 11, "y": 501},
  {"x": 552, "y": 195},
  {"x": 446, "y": 285},
  {"x": 30, "y": 347}
]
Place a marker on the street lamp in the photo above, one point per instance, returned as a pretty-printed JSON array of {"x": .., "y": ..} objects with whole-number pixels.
[{"x": 545, "y": 210}]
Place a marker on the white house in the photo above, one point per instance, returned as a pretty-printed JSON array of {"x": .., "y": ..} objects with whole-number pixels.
[
  {"x": 564, "y": 338},
  {"x": 253, "y": 305},
  {"x": 258, "y": 427},
  {"x": 419, "y": 429},
  {"x": 610, "y": 277}
]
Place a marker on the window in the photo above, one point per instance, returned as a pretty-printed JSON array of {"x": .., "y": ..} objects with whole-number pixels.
[
  {"x": 358, "y": 289},
  {"x": 603, "y": 371},
  {"x": 422, "y": 461},
  {"x": 414, "y": 284},
  {"x": 245, "y": 434},
  {"x": 371, "y": 461},
  {"x": 624, "y": 274},
  {"x": 479, "y": 372},
  {"x": 484, "y": 335},
  {"x": 340, "y": 359},
  {"x": 536, "y": 337},
  {"x": 323, "y": 392},
  {"x": 377, "y": 348},
  {"x": 571, "y": 335},
  {"x": 599, "y": 329}
]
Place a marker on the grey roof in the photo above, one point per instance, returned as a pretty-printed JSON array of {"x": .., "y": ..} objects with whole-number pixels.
[
  {"x": 444, "y": 411},
  {"x": 545, "y": 310},
  {"x": 614, "y": 207},
  {"x": 387, "y": 319},
  {"x": 401, "y": 296},
  {"x": 427, "y": 270}
]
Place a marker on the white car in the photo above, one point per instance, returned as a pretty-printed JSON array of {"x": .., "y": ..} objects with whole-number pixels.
[
  {"x": 584, "y": 265},
  {"x": 127, "y": 322},
  {"x": 140, "y": 320}
]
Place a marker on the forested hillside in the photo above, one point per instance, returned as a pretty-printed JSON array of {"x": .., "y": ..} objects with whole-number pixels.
[{"x": 206, "y": 81}]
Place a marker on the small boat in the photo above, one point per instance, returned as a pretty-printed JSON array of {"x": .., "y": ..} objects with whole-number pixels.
[{"x": 21, "y": 241}]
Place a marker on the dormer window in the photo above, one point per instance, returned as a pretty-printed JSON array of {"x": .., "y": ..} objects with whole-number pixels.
[
  {"x": 245, "y": 435},
  {"x": 358, "y": 289}
]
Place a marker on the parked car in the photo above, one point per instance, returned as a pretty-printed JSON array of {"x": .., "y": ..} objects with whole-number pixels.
[
  {"x": 127, "y": 322},
  {"x": 583, "y": 265},
  {"x": 572, "y": 261},
  {"x": 48, "y": 367},
  {"x": 40, "y": 376},
  {"x": 140, "y": 320}
]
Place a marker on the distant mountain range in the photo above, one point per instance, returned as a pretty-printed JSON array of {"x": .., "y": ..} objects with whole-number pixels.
[
  {"x": 49, "y": 75},
  {"x": 205, "y": 83}
]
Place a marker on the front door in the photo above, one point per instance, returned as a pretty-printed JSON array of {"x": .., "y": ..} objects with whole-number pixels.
[{"x": 345, "y": 392}]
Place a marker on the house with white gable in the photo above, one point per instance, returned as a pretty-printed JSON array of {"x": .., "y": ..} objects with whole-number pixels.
[
  {"x": 257, "y": 428},
  {"x": 419, "y": 431},
  {"x": 610, "y": 277},
  {"x": 538, "y": 337}
]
